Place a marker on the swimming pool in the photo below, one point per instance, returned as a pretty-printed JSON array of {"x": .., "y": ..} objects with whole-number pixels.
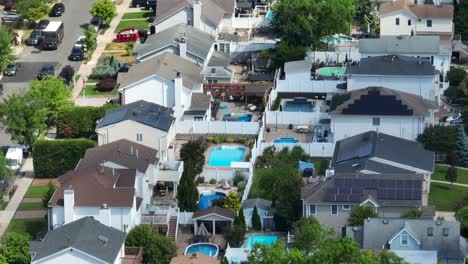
[
  {"x": 331, "y": 71},
  {"x": 269, "y": 15},
  {"x": 204, "y": 248},
  {"x": 260, "y": 239},
  {"x": 295, "y": 106},
  {"x": 224, "y": 155},
  {"x": 240, "y": 117},
  {"x": 207, "y": 198},
  {"x": 336, "y": 39},
  {"x": 285, "y": 140}
]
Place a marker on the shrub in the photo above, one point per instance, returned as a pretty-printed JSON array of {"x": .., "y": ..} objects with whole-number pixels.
[
  {"x": 53, "y": 158},
  {"x": 412, "y": 213},
  {"x": 238, "y": 178},
  {"x": 218, "y": 140},
  {"x": 200, "y": 179},
  {"x": 106, "y": 85},
  {"x": 107, "y": 67},
  {"x": 242, "y": 140},
  {"x": 241, "y": 186},
  {"x": 210, "y": 139},
  {"x": 230, "y": 140},
  {"x": 67, "y": 74},
  {"x": 276, "y": 103},
  {"x": 213, "y": 181},
  {"x": 455, "y": 76}
]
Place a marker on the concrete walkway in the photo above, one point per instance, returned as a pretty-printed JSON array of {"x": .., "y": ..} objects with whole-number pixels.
[
  {"x": 460, "y": 168},
  {"x": 31, "y": 214},
  {"x": 22, "y": 186},
  {"x": 449, "y": 183}
]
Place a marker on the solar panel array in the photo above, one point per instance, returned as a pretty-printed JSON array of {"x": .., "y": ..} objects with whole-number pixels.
[
  {"x": 358, "y": 148},
  {"x": 376, "y": 104},
  {"x": 352, "y": 189}
]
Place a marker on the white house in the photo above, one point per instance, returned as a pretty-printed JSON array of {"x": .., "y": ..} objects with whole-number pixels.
[
  {"x": 298, "y": 70},
  {"x": 404, "y": 17},
  {"x": 380, "y": 109},
  {"x": 206, "y": 15}
]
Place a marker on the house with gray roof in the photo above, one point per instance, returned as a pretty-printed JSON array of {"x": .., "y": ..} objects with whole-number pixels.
[
  {"x": 413, "y": 238},
  {"x": 85, "y": 240},
  {"x": 385, "y": 110},
  {"x": 264, "y": 210},
  {"x": 402, "y": 73},
  {"x": 330, "y": 199}
]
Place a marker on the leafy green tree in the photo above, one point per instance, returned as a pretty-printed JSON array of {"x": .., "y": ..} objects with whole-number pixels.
[
  {"x": 460, "y": 19},
  {"x": 5, "y": 172},
  {"x": 256, "y": 221},
  {"x": 232, "y": 202},
  {"x": 308, "y": 234},
  {"x": 89, "y": 41},
  {"x": 412, "y": 213},
  {"x": 438, "y": 138},
  {"x": 359, "y": 214},
  {"x": 3, "y": 260},
  {"x": 23, "y": 117},
  {"x": 242, "y": 217},
  {"x": 15, "y": 248},
  {"x": 462, "y": 216},
  {"x": 236, "y": 235},
  {"x": 461, "y": 146},
  {"x": 6, "y": 48},
  {"x": 53, "y": 93},
  {"x": 452, "y": 174},
  {"x": 50, "y": 192},
  {"x": 285, "y": 52},
  {"x": 194, "y": 151},
  {"x": 156, "y": 248},
  {"x": 32, "y": 10},
  {"x": 277, "y": 253},
  {"x": 104, "y": 9},
  {"x": 453, "y": 93},
  {"x": 456, "y": 75},
  {"x": 187, "y": 194}
]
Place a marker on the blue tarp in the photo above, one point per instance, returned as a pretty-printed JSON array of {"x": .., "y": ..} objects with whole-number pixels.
[{"x": 310, "y": 167}]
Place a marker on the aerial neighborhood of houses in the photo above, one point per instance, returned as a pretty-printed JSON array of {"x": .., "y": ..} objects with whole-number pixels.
[{"x": 234, "y": 131}]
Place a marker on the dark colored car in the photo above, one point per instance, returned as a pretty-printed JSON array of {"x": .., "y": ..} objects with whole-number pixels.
[
  {"x": 77, "y": 54},
  {"x": 42, "y": 24},
  {"x": 11, "y": 69},
  {"x": 34, "y": 39},
  {"x": 47, "y": 70},
  {"x": 138, "y": 3},
  {"x": 150, "y": 4},
  {"x": 57, "y": 10}
]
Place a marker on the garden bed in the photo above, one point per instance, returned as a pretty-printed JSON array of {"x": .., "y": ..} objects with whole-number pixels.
[{"x": 91, "y": 91}]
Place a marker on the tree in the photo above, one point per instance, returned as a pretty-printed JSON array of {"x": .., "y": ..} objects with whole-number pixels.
[
  {"x": 187, "y": 194},
  {"x": 412, "y": 213},
  {"x": 67, "y": 74},
  {"x": 242, "y": 217},
  {"x": 452, "y": 174},
  {"x": 89, "y": 41},
  {"x": 6, "y": 49},
  {"x": 236, "y": 235},
  {"x": 32, "y": 10},
  {"x": 23, "y": 117},
  {"x": 194, "y": 151},
  {"x": 308, "y": 234},
  {"x": 156, "y": 248},
  {"x": 359, "y": 214},
  {"x": 232, "y": 202},
  {"x": 286, "y": 52},
  {"x": 461, "y": 146},
  {"x": 5, "y": 172},
  {"x": 53, "y": 94},
  {"x": 277, "y": 253},
  {"x": 461, "y": 19},
  {"x": 256, "y": 222},
  {"x": 462, "y": 216},
  {"x": 50, "y": 192},
  {"x": 15, "y": 248},
  {"x": 455, "y": 76},
  {"x": 104, "y": 9},
  {"x": 438, "y": 138}
]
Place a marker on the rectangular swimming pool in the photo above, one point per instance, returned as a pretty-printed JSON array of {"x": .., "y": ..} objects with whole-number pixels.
[
  {"x": 260, "y": 239},
  {"x": 224, "y": 155},
  {"x": 293, "y": 106}
]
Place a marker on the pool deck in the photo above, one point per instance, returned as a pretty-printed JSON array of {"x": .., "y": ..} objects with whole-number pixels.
[
  {"x": 184, "y": 239},
  {"x": 205, "y": 187},
  {"x": 210, "y": 148},
  {"x": 236, "y": 108},
  {"x": 287, "y": 133}
]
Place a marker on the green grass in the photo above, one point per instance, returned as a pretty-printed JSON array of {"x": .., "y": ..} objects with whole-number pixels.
[
  {"x": 36, "y": 191},
  {"x": 30, "y": 206},
  {"x": 135, "y": 15},
  {"x": 3, "y": 205},
  {"x": 143, "y": 24},
  {"x": 256, "y": 189},
  {"x": 444, "y": 196},
  {"x": 120, "y": 46},
  {"x": 34, "y": 226},
  {"x": 91, "y": 91},
  {"x": 92, "y": 80},
  {"x": 441, "y": 171}
]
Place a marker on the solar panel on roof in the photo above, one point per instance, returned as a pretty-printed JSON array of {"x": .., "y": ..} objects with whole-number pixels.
[
  {"x": 342, "y": 198},
  {"x": 365, "y": 149},
  {"x": 344, "y": 190},
  {"x": 329, "y": 197},
  {"x": 354, "y": 197},
  {"x": 114, "y": 116}
]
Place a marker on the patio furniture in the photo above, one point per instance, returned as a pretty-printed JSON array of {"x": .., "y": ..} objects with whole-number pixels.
[
  {"x": 302, "y": 129},
  {"x": 252, "y": 107}
]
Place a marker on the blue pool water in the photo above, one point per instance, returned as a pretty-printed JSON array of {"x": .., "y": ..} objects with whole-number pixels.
[
  {"x": 222, "y": 156},
  {"x": 204, "y": 248},
  {"x": 269, "y": 15},
  {"x": 285, "y": 140},
  {"x": 260, "y": 239},
  {"x": 237, "y": 117},
  {"x": 206, "y": 199},
  {"x": 224, "y": 107},
  {"x": 298, "y": 107}
]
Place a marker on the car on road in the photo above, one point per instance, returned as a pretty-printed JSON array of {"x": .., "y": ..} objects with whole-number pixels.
[
  {"x": 34, "y": 39},
  {"x": 57, "y": 10},
  {"x": 10, "y": 17},
  {"x": 77, "y": 54},
  {"x": 150, "y": 4},
  {"x": 11, "y": 69},
  {"x": 46, "y": 70},
  {"x": 42, "y": 24},
  {"x": 95, "y": 23},
  {"x": 79, "y": 42}
]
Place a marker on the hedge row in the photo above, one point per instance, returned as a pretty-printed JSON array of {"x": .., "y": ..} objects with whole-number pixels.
[{"x": 53, "y": 158}]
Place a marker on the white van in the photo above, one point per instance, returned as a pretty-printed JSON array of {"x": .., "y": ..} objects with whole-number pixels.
[{"x": 14, "y": 157}]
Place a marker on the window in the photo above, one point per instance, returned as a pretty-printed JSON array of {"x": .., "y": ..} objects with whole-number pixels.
[
  {"x": 376, "y": 121},
  {"x": 404, "y": 239},
  {"x": 312, "y": 209},
  {"x": 139, "y": 137},
  {"x": 227, "y": 48},
  {"x": 430, "y": 231},
  {"x": 445, "y": 231},
  {"x": 334, "y": 209},
  {"x": 397, "y": 21},
  {"x": 198, "y": 118},
  {"x": 429, "y": 23},
  {"x": 409, "y": 22},
  {"x": 346, "y": 207}
]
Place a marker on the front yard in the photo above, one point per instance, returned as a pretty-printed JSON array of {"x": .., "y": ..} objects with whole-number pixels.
[
  {"x": 143, "y": 24},
  {"x": 441, "y": 171},
  {"x": 34, "y": 227},
  {"x": 444, "y": 196},
  {"x": 36, "y": 191}
]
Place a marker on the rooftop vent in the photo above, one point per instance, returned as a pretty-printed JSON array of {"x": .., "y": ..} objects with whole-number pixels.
[
  {"x": 385, "y": 221},
  {"x": 103, "y": 239}
]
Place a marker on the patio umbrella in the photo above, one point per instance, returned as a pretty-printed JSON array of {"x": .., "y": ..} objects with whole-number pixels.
[{"x": 202, "y": 231}]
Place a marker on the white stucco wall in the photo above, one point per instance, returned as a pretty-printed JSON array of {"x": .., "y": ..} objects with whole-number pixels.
[
  {"x": 70, "y": 255},
  {"x": 388, "y": 25},
  {"x": 184, "y": 16},
  {"x": 153, "y": 89}
]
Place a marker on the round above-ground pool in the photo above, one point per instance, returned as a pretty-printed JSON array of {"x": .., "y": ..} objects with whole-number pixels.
[
  {"x": 208, "y": 249},
  {"x": 224, "y": 155},
  {"x": 331, "y": 71},
  {"x": 240, "y": 117},
  {"x": 285, "y": 140},
  {"x": 207, "y": 198}
]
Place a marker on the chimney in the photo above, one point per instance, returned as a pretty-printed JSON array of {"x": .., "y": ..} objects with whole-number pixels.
[
  {"x": 182, "y": 47},
  {"x": 68, "y": 206},
  {"x": 197, "y": 14}
]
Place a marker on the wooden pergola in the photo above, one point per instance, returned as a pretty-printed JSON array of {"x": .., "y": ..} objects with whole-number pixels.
[{"x": 246, "y": 90}]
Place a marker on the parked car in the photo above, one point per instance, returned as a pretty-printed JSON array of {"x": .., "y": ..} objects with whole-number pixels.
[
  {"x": 77, "y": 54},
  {"x": 10, "y": 17},
  {"x": 34, "y": 39},
  {"x": 46, "y": 70},
  {"x": 95, "y": 23},
  {"x": 150, "y": 4},
  {"x": 11, "y": 69},
  {"x": 80, "y": 42},
  {"x": 138, "y": 3},
  {"x": 106, "y": 85},
  {"x": 57, "y": 10},
  {"x": 42, "y": 24}
]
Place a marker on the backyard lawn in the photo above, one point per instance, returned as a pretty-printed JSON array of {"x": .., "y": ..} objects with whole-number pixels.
[
  {"x": 143, "y": 24},
  {"x": 34, "y": 227},
  {"x": 444, "y": 196},
  {"x": 255, "y": 189},
  {"x": 30, "y": 206},
  {"x": 441, "y": 171},
  {"x": 36, "y": 191},
  {"x": 135, "y": 15}
]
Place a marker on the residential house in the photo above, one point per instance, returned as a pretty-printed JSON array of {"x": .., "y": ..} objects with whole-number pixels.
[
  {"x": 330, "y": 200},
  {"x": 378, "y": 153},
  {"x": 429, "y": 48},
  {"x": 200, "y": 108},
  {"x": 264, "y": 210},
  {"x": 412, "y": 237},
  {"x": 401, "y": 73},
  {"x": 83, "y": 241},
  {"x": 388, "y": 111},
  {"x": 141, "y": 122},
  {"x": 206, "y": 15},
  {"x": 298, "y": 70},
  {"x": 405, "y": 17}
]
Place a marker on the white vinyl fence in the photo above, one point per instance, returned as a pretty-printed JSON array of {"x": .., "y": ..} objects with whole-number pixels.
[
  {"x": 332, "y": 56},
  {"x": 295, "y": 118},
  {"x": 217, "y": 127},
  {"x": 308, "y": 86},
  {"x": 314, "y": 149}
]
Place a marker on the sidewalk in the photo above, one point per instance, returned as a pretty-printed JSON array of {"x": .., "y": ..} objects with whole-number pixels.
[
  {"x": 23, "y": 185},
  {"x": 446, "y": 182}
]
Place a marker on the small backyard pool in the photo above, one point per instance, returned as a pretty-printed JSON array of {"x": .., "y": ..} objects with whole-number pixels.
[
  {"x": 286, "y": 140},
  {"x": 298, "y": 106},
  {"x": 239, "y": 117},
  {"x": 224, "y": 155},
  {"x": 260, "y": 239},
  {"x": 336, "y": 39},
  {"x": 203, "y": 248},
  {"x": 331, "y": 71},
  {"x": 207, "y": 198}
]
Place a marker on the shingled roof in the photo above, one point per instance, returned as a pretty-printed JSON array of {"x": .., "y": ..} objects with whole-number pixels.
[
  {"x": 215, "y": 210},
  {"x": 392, "y": 65},
  {"x": 419, "y": 11}
]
